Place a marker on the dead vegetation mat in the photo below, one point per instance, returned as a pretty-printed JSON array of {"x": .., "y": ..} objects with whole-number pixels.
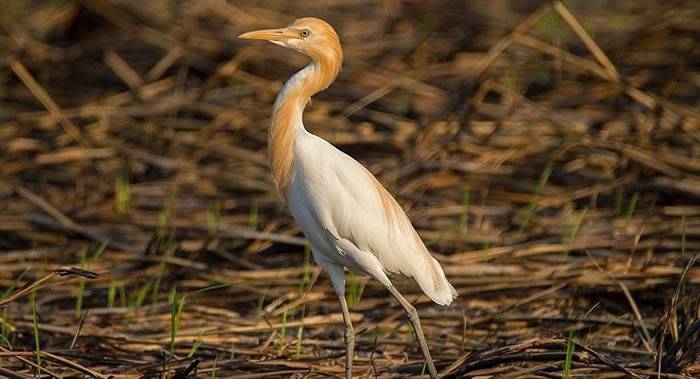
[{"x": 548, "y": 154}]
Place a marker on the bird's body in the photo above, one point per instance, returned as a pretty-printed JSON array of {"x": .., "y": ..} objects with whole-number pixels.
[
  {"x": 349, "y": 218},
  {"x": 352, "y": 221}
]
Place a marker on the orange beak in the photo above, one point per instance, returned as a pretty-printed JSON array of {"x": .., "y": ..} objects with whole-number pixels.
[{"x": 272, "y": 35}]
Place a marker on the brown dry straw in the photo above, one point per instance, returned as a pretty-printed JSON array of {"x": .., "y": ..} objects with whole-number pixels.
[{"x": 547, "y": 153}]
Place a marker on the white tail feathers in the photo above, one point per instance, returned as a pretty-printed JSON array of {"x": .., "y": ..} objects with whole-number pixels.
[{"x": 433, "y": 282}]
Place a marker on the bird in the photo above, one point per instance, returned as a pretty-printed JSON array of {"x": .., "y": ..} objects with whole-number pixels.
[{"x": 350, "y": 220}]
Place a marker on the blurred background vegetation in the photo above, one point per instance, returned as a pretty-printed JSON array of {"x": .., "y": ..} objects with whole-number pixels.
[{"x": 548, "y": 153}]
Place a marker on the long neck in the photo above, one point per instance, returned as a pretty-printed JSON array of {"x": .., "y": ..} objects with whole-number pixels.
[{"x": 287, "y": 116}]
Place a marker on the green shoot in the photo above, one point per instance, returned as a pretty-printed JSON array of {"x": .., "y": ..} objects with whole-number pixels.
[
  {"x": 172, "y": 295},
  {"x": 37, "y": 345},
  {"x": 167, "y": 213},
  {"x": 570, "y": 346},
  {"x": 464, "y": 218},
  {"x": 122, "y": 296},
  {"x": 354, "y": 290},
  {"x": 253, "y": 217},
  {"x": 111, "y": 293},
  {"x": 212, "y": 287},
  {"x": 6, "y": 342},
  {"x": 5, "y": 328},
  {"x": 423, "y": 368},
  {"x": 12, "y": 286},
  {"x": 170, "y": 248},
  {"x": 155, "y": 291},
  {"x": 300, "y": 339},
  {"x": 485, "y": 257},
  {"x": 232, "y": 351},
  {"x": 282, "y": 333},
  {"x": 176, "y": 308},
  {"x": 140, "y": 296},
  {"x": 214, "y": 219},
  {"x": 588, "y": 313},
  {"x": 213, "y": 367},
  {"x": 300, "y": 332},
  {"x": 195, "y": 345},
  {"x": 569, "y": 356},
  {"x": 537, "y": 194},
  {"x": 99, "y": 250},
  {"x": 122, "y": 194}
]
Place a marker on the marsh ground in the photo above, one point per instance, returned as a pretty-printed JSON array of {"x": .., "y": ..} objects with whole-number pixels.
[{"x": 549, "y": 155}]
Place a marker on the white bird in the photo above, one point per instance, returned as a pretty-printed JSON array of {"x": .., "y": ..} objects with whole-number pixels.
[{"x": 349, "y": 218}]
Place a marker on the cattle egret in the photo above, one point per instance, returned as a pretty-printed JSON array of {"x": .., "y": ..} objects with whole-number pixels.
[{"x": 349, "y": 218}]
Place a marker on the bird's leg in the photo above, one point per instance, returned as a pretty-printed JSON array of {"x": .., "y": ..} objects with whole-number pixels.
[
  {"x": 349, "y": 337},
  {"x": 415, "y": 323},
  {"x": 337, "y": 274}
]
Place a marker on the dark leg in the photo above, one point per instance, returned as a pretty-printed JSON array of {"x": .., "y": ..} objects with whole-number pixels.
[
  {"x": 415, "y": 322},
  {"x": 349, "y": 337},
  {"x": 337, "y": 274}
]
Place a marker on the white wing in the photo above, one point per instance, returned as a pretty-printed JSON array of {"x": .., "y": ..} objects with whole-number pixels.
[{"x": 350, "y": 218}]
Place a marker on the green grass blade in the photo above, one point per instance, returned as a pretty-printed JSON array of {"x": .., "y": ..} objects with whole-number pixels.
[
  {"x": 111, "y": 293},
  {"x": 213, "y": 367},
  {"x": 195, "y": 345},
  {"x": 282, "y": 333},
  {"x": 176, "y": 308},
  {"x": 565, "y": 374},
  {"x": 544, "y": 177}
]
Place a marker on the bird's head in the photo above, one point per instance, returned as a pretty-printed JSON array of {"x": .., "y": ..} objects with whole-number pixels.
[{"x": 310, "y": 36}]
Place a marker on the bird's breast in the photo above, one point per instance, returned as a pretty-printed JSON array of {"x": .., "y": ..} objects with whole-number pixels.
[{"x": 309, "y": 193}]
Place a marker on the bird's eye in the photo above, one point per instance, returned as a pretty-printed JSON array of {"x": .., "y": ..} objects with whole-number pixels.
[{"x": 305, "y": 33}]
